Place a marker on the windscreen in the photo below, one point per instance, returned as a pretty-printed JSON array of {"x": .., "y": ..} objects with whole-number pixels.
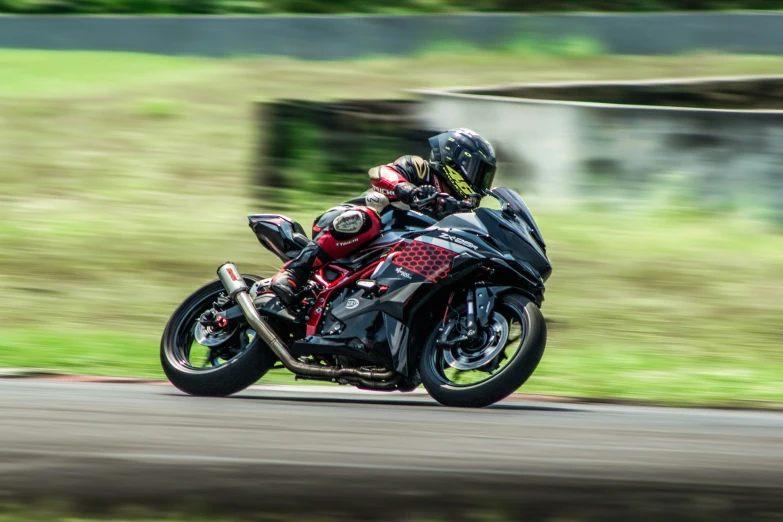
[{"x": 518, "y": 206}]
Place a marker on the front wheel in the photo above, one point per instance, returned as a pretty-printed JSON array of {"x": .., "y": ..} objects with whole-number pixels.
[{"x": 479, "y": 373}]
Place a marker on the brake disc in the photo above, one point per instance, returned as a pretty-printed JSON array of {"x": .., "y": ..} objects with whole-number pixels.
[
  {"x": 496, "y": 337},
  {"x": 206, "y": 336}
]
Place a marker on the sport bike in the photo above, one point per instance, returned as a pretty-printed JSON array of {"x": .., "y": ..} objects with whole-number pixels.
[{"x": 451, "y": 304}]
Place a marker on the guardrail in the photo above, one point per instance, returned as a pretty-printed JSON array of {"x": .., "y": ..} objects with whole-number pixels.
[{"x": 341, "y": 37}]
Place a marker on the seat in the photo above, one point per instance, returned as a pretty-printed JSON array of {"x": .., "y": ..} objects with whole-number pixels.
[{"x": 280, "y": 234}]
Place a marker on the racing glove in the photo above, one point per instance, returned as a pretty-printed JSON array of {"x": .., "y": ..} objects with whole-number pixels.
[{"x": 410, "y": 194}]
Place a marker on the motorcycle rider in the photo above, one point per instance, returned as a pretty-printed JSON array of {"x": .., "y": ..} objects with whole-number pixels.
[{"x": 462, "y": 165}]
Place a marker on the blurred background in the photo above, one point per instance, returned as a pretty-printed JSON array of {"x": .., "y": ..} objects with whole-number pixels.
[{"x": 132, "y": 148}]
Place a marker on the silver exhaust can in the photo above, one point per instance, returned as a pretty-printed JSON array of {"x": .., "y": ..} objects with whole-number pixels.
[{"x": 232, "y": 280}]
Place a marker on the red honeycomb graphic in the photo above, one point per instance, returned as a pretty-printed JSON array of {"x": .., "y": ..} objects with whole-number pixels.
[{"x": 430, "y": 261}]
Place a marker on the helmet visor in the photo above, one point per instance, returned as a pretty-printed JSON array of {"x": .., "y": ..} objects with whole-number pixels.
[
  {"x": 485, "y": 175},
  {"x": 477, "y": 172}
]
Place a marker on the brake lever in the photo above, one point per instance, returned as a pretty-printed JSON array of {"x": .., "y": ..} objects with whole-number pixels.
[
  {"x": 462, "y": 204},
  {"x": 421, "y": 203}
]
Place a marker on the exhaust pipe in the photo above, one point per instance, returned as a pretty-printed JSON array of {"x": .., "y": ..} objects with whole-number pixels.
[{"x": 235, "y": 285}]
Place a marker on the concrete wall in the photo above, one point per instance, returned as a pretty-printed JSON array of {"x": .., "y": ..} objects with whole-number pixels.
[
  {"x": 327, "y": 37},
  {"x": 732, "y": 92},
  {"x": 563, "y": 149}
]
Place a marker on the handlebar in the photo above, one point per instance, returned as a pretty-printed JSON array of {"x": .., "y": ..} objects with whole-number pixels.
[{"x": 424, "y": 202}]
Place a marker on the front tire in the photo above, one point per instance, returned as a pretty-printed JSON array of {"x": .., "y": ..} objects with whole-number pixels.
[
  {"x": 442, "y": 378},
  {"x": 245, "y": 364}
]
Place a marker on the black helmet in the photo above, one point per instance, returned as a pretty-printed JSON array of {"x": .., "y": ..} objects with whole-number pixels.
[{"x": 464, "y": 160}]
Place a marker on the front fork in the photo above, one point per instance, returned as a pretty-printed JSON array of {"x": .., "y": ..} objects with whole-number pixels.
[
  {"x": 470, "y": 303},
  {"x": 478, "y": 304}
]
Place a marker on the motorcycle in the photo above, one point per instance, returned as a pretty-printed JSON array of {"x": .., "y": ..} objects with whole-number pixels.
[{"x": 451, "y": 304}]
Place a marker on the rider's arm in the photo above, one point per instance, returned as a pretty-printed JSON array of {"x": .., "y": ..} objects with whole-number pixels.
[
  {"x": 398, "y": 180},
  {"x": 384, "y": 179}
]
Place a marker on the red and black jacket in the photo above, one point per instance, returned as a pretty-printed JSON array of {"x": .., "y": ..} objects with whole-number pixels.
[{"x": 397, "y": 180}]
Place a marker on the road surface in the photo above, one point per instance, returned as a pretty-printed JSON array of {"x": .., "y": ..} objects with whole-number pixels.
[{"x": 375, "y": 455}]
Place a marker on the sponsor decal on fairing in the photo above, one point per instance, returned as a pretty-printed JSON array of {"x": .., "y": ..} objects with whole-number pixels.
[
  {"x": 403, "y": 273},
  {"x": 458, "y": 240}
]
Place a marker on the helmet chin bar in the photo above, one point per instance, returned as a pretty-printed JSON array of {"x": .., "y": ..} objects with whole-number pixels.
[{"x": 457, "y": 181}]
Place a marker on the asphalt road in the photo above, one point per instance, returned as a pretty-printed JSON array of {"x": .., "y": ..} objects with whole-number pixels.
[{"x": 374, "y": 455}]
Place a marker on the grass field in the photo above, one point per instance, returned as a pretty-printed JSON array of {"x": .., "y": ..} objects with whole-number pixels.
[{"x": 124, "y": 184}]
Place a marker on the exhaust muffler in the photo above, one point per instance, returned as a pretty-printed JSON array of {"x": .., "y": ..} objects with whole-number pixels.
[
  {"x": 232, "y": 281},
  {"x": 236, "y": 287}
]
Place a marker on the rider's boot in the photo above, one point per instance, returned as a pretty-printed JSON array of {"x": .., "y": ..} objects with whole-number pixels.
[{"x": 294, "y": 275}]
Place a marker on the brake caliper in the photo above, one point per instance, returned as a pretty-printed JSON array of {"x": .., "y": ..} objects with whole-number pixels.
[{"x": 214, "y": 318}]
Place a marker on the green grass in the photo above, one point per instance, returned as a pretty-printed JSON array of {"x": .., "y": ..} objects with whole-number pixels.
[
  {"x": 122, "y": 189},
  {"x": 681, "y": 308},
  {"x": 520, "y": 48},
  {"x": 34, "y": 73}
]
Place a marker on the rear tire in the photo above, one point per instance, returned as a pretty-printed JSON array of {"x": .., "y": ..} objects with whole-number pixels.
[
  {"x": 509, "y": 378},
  {"x": 228, "y": 378}
]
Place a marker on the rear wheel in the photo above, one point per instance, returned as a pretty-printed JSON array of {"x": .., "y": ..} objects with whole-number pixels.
[
  {"x": 216, "y": 363},
  {"x": 490, "y": 368}
]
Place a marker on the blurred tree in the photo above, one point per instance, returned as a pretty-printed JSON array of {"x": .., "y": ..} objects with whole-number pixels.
[{"x": 327, "y": 148}]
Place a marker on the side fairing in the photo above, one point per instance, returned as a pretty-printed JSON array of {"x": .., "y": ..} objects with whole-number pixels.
[
  {"x": 397, "y": 335},
  {"x": 374, "y": 325}
]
